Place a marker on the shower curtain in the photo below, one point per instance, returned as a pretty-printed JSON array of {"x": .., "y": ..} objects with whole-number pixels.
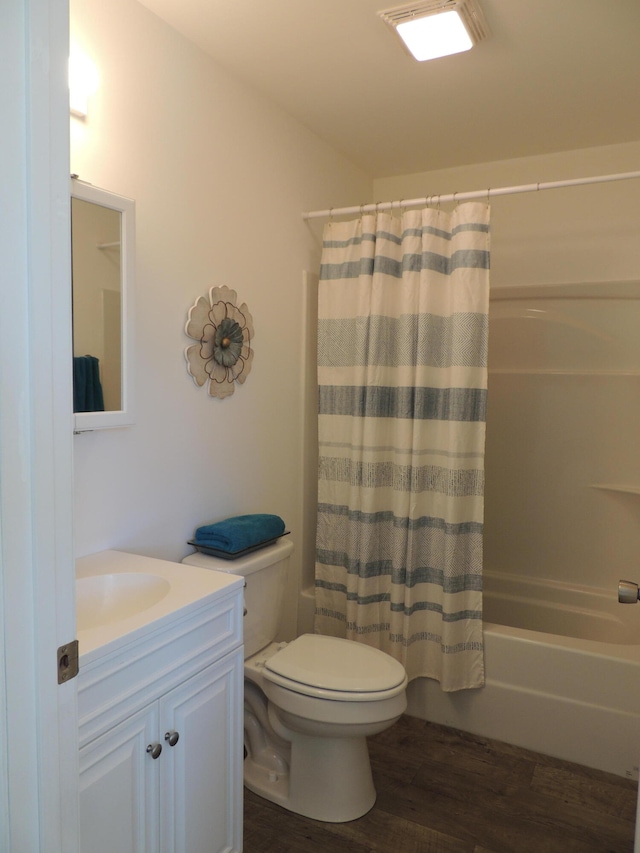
[{"x": 402, "y": 353}]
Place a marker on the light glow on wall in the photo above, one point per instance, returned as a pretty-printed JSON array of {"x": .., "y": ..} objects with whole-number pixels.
[{"x": 83, "y": 82}]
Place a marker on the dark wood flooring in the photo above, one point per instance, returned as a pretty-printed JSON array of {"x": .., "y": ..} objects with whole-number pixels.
[{"x": 444, "y": 791}]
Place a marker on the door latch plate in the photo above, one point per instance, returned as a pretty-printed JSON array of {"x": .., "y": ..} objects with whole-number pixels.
[{"x": 68, "y": 665}]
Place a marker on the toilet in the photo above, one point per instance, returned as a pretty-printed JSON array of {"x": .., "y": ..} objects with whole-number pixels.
[{"x": 309, "y": 704}]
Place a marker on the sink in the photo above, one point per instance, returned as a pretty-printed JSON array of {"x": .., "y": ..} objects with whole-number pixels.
[
  {"x": 121, "y": 597},
  {"x": 103, "y": 599}
]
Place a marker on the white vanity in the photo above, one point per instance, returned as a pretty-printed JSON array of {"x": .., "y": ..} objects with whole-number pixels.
[{"x": 160, "y": 706}]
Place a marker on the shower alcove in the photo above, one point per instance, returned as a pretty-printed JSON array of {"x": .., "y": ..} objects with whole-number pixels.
[{"x": 562, "y": 523}]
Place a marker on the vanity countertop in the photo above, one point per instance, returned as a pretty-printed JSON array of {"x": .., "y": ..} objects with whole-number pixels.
[{"x": 122, "y": 597}]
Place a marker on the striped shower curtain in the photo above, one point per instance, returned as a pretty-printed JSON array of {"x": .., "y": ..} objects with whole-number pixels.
[{"x": 402, "y": 355}]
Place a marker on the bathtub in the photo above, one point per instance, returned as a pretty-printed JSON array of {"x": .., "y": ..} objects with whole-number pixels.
[{"x": 562, "y": 674}]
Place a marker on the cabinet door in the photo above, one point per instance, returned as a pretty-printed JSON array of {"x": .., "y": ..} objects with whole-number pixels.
[
  {"x": 119, "y": 788},
  {"x": 201, "y": 775}
]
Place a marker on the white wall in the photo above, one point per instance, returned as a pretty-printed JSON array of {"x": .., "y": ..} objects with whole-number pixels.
[
  {"x": 557, "y": 426},
  {"x": 220, "y": 177}
]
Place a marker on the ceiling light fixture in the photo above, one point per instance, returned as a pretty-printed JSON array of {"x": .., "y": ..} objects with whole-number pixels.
[{"x": 435, "y": 28}]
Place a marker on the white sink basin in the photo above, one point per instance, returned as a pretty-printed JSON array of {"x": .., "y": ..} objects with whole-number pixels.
[
  {"x": 103, "y": 599},
  {"x": 121, "y": 597}
]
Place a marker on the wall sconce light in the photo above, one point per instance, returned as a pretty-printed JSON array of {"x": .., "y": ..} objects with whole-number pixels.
[
  {"x": 83, "y": 82},
  {"x": 436, "y": 28}
]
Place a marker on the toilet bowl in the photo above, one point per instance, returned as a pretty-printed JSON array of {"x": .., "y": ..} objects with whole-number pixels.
[{"x": 310, "y": 704}]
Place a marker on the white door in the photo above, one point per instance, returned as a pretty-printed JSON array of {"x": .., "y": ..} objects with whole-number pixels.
[
  {"x": 38, "y": 731},
  {"x": 201, "y": 781}
]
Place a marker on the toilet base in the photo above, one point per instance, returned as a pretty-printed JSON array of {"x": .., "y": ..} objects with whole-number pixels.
[
  {"x": 307, "y": 754},
  {"x": 329, "y": 779}
]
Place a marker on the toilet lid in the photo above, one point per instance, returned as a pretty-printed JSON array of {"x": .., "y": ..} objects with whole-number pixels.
[{"x": 336, "y": 664}]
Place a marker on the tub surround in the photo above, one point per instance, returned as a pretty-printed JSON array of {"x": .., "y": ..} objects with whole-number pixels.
[
  {"x": 561, "y": 518},
  {"x": 572, "y": 698},
  {"x": 568, "y": 610}
]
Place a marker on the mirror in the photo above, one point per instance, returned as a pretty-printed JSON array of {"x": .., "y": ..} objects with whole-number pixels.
[{"x": 102, "y": 267}]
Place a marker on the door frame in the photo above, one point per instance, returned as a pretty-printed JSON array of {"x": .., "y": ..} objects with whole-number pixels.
[{"x": 38, "y": 718}]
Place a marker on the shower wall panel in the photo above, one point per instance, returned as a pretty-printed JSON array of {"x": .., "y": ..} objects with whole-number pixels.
[{"x": 563, "y": 452}]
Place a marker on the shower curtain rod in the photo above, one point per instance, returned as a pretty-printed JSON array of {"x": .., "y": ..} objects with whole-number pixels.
[{"x": 475, "y": 194}]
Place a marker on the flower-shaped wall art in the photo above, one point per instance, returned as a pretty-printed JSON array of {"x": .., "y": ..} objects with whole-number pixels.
[{"x": 222, "y": 355}]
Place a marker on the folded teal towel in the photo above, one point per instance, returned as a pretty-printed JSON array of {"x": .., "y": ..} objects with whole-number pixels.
[{"x": 240, "y": 532}]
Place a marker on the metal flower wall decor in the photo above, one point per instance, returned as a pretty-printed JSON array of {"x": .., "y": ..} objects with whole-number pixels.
[{"x": 222, "y": 355}]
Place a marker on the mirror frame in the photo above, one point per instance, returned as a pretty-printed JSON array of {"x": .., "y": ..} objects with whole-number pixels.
[{"x": 86, "y": 421}]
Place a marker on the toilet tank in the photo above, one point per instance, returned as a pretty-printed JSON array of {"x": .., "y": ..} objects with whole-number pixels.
[{"x": 265, "y": 573}]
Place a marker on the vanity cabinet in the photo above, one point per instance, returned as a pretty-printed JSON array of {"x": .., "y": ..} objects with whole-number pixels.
[
  {"x": 162, "y": 739},
  {"x": 120, "y": 788}
]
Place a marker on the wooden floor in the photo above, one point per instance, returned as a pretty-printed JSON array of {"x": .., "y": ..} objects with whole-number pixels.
[{"x": 444, "y": 791}]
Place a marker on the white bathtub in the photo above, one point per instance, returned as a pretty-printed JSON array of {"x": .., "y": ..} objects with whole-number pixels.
[
  {"x": 562, "y": 675},
  {"x": 567, "y": 610}
]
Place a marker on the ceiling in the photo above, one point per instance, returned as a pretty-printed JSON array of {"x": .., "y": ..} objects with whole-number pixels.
[{"x": 554, "y": 75}]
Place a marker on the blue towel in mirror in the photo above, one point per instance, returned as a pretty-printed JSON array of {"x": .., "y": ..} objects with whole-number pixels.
[
  {"x": 87, "y": 388},
  {"x": 240, "y": 532}
]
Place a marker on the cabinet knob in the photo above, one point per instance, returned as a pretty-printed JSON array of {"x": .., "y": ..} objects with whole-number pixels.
[
  {"x": 172, "y": 738},
  {"x": 154, "y": 749}
]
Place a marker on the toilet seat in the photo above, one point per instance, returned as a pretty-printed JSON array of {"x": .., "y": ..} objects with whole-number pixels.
[{"x": 333, "y": 668}]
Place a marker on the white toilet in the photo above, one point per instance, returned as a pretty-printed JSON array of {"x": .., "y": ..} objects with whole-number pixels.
[{"x": 309, "y": 704}]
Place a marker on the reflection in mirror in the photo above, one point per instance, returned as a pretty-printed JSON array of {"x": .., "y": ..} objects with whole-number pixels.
[
  {"x": 102, "y": 234},
  {"x": 96, "y": 307}
]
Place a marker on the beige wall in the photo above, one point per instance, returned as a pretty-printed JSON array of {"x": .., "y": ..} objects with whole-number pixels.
[
  {"x": 220, "y": 177},
  {"x": 585, "y": 233}
]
